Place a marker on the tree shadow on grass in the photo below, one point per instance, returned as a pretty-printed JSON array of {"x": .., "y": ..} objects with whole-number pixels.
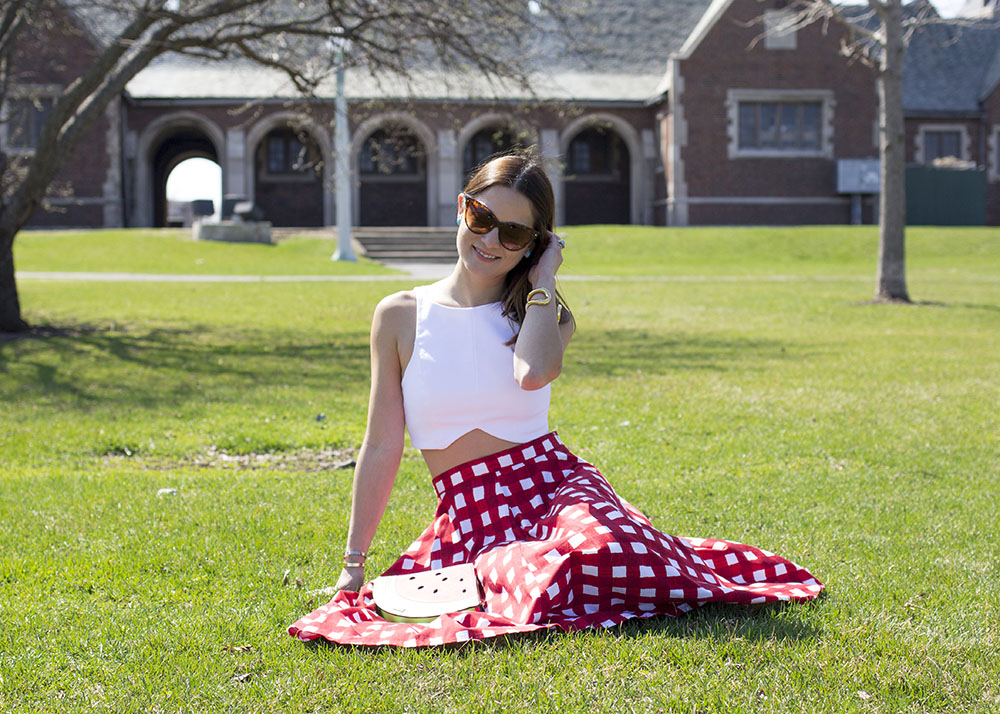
[
  {"x": 625, "y": 351},
  {"x": 89, "y": 367},
  {"x": 931, "y": 303},
  {"x": 166, "y": 367},
  {"x": 969, "y": 306}
]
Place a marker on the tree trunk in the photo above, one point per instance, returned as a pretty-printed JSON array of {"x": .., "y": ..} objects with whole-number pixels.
[
  {"x": 891, "y": 278},
  {"x": 10, "y": 306}
]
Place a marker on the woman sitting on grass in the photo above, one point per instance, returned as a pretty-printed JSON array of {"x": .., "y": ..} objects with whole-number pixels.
[{"x": 465, "y": 364}]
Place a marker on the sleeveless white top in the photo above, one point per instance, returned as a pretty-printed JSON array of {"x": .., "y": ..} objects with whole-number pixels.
[{"x": 460, "y": 377}]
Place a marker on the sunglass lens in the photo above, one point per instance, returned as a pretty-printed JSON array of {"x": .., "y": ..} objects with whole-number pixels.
[
  {"x": 515, "y": 237},
  {"x": 479, "y": 218}
]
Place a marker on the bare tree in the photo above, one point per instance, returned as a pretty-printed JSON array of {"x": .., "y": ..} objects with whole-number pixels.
[
  {"x": 396, "y": 39},
  {"x": 878, "y": 34}
]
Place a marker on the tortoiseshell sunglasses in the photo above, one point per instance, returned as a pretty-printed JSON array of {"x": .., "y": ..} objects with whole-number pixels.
[{"x": 481, "y": 220}]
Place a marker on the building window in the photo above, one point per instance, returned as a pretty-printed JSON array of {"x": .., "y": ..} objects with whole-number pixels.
[
  {"x": 486, "y": 143},
  {"x": 288, "y": 153},
  {"x": 779, "y": 30},
  {"x": 594, "y": 152},
  {"x": 391, "y": 153},
  {"x": 941, "y": 145},
  {"x": 936, "y": 142},
  {"x": 25, "y": 119},
  {"x": 993, "y": 154},
  {"x": 780, "y": 124}
]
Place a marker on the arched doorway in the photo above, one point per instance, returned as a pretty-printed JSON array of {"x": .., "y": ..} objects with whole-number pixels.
[
  {"x": 485, "y": 143},
  {"x": 597, "y": 180},
  {"x": 181, "y": 144},
  {"x": 288, "y": 178},
  {"x": 392, "y": 166},
  {"x": 195, "y": 179}
]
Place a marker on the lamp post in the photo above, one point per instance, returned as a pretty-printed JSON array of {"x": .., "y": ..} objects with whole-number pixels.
[{"x": 342, "y": 149}]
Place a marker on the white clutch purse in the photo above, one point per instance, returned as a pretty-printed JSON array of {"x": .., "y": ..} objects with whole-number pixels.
[{"x": 422, "y": 597}]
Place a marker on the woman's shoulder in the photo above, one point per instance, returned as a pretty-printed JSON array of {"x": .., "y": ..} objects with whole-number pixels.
[
  {"x": 396, "y": 310},
  {"x": 403, "y": 300}
]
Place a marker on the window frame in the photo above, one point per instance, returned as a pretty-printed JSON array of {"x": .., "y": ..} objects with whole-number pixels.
[
  {"x": 307, "y": 174},
  {"x": 611, "y": 157},
  {"x": 780, "y": 31},
  {"x": 737, "y": 97},
  {"x": 19, "y": 92},
  {"x": 964, "y": 140},
  {"x": 993, "y": 154},
  {"x": 468, "y": 150},
  {"x": 417, "y": 157}
]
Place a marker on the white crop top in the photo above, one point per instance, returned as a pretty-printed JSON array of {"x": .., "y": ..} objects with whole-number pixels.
[{"x": 460, "y": 377}]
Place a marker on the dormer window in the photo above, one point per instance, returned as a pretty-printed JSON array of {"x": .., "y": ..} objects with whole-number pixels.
[{"x": 779, "y": 32}]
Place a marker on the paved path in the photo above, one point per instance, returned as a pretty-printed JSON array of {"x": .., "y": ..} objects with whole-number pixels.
[
  {"x": 423, "y": 272},
  {"x": 180, "y": 278}
]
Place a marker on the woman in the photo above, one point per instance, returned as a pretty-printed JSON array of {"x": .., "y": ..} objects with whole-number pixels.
[{"x": 465, "y": 364}]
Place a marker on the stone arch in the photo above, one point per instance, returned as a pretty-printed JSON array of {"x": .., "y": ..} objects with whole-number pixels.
[
  {"x": 574, "y": 198},
  {"x": 429, "y": 175},
  {"x": 526, "y": 135},
  {"x": 319, "y": 190},
  {"x": 163, "y": 144}
]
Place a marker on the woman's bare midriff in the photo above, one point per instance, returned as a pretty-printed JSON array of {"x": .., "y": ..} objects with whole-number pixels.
[{"x": 473, "y": 445}]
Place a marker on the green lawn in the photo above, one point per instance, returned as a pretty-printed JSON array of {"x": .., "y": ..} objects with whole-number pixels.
[
  {"x": 860, "y": 440},
  {"x": 593, "y": 250},
  {"x": 174, "y": 251}
]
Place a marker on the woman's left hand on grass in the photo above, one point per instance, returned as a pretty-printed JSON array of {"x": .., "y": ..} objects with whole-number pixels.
[{"x": 350, "y": 579}]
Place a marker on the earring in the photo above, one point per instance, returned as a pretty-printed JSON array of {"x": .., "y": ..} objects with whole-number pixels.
[
  {"x": 528, "y": 254},
  {"x": 458, "y": 221}
]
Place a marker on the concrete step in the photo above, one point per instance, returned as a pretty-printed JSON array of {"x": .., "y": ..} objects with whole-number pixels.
[
  {"x": 403, "y": 240},
  {"x": 411, "y": 244},
  {"x": 412, "y": 257}
]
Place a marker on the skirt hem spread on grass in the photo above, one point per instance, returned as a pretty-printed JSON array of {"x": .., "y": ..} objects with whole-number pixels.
[{"x": 555, "y": 547}]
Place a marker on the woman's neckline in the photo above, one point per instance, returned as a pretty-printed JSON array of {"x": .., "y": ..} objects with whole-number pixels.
[
  {"x": 430, "y": 298},
  {"x": 464, "y": 307}
]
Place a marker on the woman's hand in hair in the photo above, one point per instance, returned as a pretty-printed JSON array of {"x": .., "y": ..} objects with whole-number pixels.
[
  {"x": 542, "y": 339},
  {"x": 548, "y": 262}
]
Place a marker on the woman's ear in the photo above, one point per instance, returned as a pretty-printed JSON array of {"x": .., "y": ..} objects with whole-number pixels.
[{"x": 461, "y": 209}]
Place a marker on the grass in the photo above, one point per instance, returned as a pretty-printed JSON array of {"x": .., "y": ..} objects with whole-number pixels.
[
  {"x": 860, "y": 440},
  {"x": 174, "y": 252},
  {"x": 595, "y": 250}
]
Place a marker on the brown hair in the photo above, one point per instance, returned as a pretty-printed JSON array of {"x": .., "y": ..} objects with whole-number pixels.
[{"x": 523, "y": 172}]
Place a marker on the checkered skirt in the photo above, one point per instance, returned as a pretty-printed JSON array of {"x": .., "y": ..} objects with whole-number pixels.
[{"x": 555, "y": 547}]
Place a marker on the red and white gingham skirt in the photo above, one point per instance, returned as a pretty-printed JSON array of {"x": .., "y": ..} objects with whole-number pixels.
[{"x": 555, "y": 547}]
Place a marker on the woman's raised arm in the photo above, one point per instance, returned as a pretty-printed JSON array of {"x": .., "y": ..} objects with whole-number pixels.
[
  {"x": 542, "y": 340},
  {"x": 382, "y": 448}
]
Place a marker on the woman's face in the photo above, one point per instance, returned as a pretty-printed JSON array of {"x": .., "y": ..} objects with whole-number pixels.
[{"x": 483, "y": 253}]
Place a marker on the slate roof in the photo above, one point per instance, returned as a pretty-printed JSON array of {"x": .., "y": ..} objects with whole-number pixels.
[
  {"x": 951, "y": 68},
  {"x": 636, "y": 35},
  {"x": 240, "y": 80},
  {"x": 615, "y": 51},
  {"x": 618, "y": 52}
]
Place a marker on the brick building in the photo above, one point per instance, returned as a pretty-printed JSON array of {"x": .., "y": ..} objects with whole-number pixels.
[{"x": 690, "y": 114}]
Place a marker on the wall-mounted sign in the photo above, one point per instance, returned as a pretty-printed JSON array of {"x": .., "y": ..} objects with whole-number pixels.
[{"x": 857, "y": 176}]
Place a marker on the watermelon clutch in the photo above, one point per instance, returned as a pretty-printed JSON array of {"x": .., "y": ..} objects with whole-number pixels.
[{"x": 422, "y": 597}]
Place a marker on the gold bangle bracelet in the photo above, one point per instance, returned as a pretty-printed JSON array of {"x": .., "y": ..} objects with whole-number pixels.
[
  {"x": 532, "y": 300},
  {"x": 353, "y": 565}
]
